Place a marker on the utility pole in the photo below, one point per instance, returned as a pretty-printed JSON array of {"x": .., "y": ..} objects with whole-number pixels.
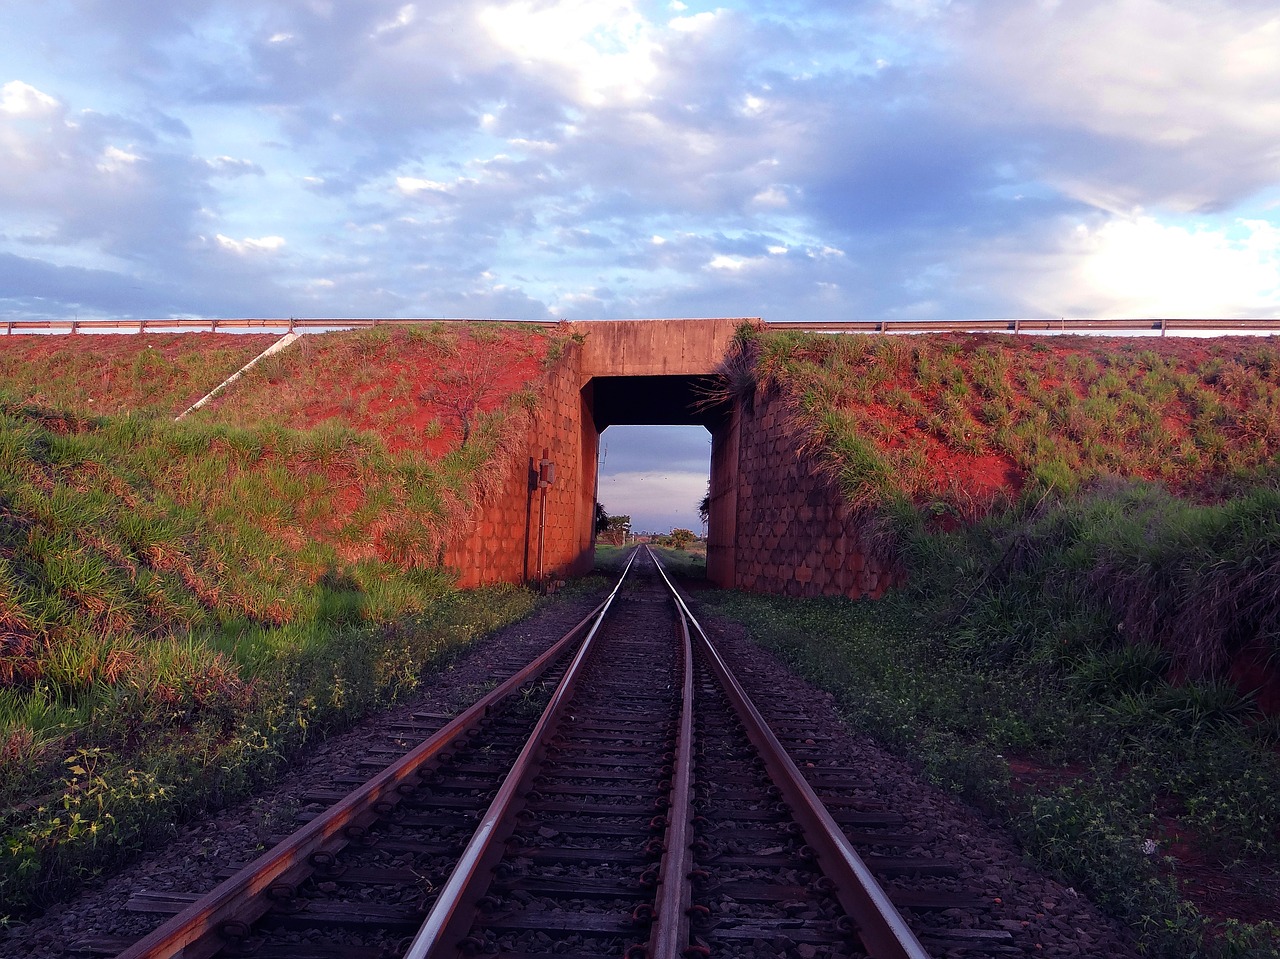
[{"x": 546, "y": 477}]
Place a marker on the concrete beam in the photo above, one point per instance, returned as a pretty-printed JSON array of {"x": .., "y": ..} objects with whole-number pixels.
[{"x": 655, "y": 347}]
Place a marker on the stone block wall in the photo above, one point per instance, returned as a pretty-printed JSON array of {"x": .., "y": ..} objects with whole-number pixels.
[
  {"x": 500, "y": 543},
  {"x": 795, "y": 535},
  {"x": 722, "y": 515},
  {"x": 777, "y": 524}
]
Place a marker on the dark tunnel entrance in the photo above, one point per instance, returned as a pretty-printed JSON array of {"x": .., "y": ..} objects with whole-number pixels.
[
  {"x": 688, "y": 400},
  {"x": 655, "y": 401}
]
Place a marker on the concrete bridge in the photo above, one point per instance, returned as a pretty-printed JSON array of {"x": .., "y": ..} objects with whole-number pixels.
[{"x": 774, "y": 526}]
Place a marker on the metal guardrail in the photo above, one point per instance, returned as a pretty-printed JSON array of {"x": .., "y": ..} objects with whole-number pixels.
[
  {"x": 299, "y": 324},
  {"x": 1161, "y": 326},
  {"x": 287, "y": 324}
]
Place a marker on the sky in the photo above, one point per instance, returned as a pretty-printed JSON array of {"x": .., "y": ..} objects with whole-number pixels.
[
  {"x": 579, "y": 159},
  {"x": 657, "y": 475}
]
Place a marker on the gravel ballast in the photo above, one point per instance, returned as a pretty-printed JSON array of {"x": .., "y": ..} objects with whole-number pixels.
[{"x": 1045, "y": 917}]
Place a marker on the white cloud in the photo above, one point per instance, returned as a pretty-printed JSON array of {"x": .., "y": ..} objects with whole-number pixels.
[
  {"x": 1141, "y": 267},
  {"x": 1137, "y": 266},
  {"x": 251, "y": 245},
  {"x": 1195, "y": 87},
  {"x": 604, "y": 50},
  {"x": 733, "y": 264},
  {"x": 774, "y": 197},
  {"x": 403, "y": 18},
  {"x": 232, "y": 167},
  {"x": 18, "y": 99},
  {"x": 115, "y": 160},
  {"x": 698, "y": 23},
  {"x": 412, "y": 185},
  {"x": 923, "y": 9},
  {"x": 1152, "y": 69}
]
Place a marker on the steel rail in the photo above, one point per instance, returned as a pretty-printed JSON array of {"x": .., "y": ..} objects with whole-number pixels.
[
  {"x": 453, "y": 911},
  {"x": 880, "y": 926},
  {"x": 196, "y": 932},
  {"x": 669, "y": 935}
]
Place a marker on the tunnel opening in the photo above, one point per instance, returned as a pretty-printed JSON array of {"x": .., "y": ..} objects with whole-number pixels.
[
  {"x": 657, "y": 475},
  {"x": 655, "y": 455}
]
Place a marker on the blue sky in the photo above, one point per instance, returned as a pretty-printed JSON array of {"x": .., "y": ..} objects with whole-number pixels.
[{"x": 797, "y": 159}]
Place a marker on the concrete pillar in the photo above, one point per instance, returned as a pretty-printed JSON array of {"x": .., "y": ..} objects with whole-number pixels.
[{"x": 722, "y": 521}]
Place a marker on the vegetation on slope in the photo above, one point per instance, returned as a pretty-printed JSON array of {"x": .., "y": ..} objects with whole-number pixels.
[
  {"x": 426, "y": 387},
  {"x": 956, "y": 422},
  {"x": 183, "y": 604},
  {"x": 144, "y": 375},
  {"x": 1092, "y": 535}
]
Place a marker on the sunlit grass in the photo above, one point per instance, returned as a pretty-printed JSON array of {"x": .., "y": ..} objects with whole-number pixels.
[
  {"x": 146, "y": 376},
  {"x": 183, "y": 605},
  {"x": 1063, "y": 415},
  {"x": 1128, "y": 746}
]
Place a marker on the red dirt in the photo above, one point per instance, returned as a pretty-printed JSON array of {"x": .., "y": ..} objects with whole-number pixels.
[
  {"x": 96, "y": 372},
  {"x": 1219, "y": 893},
  {"x": 416, "y": 394}
]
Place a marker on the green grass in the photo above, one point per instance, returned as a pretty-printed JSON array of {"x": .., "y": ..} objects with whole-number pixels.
[
  {"x": 688, "y": 563},
  {"x": 1062, "y": 415},
  {"x": 1131, "y": 748},
  {"x": 147, "y": 375},
  {"x": 1087, "y": 635},
  {"x": 610, "y": 559},
  {"x": 183, "y": 605}
]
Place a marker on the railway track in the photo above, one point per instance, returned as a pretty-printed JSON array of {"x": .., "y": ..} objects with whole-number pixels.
[{"x": 621, "y": 795}]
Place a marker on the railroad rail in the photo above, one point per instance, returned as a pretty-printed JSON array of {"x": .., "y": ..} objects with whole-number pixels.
[
  {"x": 620, "y": 795},
  {"x": 1163, "y": 327}
]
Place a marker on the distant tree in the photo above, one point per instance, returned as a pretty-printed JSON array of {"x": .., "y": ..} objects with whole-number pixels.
[
  {"x": 617, "y": 529},
  {"x": 680, "y": 538},
  {"x": 602, "y": 519},
  {"x": 704, "y": 508}
]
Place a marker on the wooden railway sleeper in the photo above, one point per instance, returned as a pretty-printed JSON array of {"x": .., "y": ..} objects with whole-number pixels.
[
  {"x": 194, "y": 932},
  {"x": 879, "y": 924}
]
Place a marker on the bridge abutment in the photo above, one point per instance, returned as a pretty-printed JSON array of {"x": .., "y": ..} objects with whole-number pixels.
[{"x": 776, "y": 523}]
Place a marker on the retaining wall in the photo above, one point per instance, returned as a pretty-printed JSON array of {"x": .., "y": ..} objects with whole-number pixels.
[
  {"x": 777, "y": 525},
  {"x": 500, "y": 544},
  {"x": 795, "y": 536}
]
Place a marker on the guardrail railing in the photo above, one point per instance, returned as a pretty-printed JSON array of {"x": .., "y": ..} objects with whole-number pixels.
[
  {"x": 1161, "y": 326},
  {"x": 238, "y": 325},
  {"x": 299, "y": 324}
]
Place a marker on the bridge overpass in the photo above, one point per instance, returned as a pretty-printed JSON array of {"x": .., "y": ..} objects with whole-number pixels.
[{"x": 775, "y": 524}]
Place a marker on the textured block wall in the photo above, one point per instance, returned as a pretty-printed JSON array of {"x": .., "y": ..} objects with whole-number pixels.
[
  {"x": 777, "y": 525},
  {"x": 722, "y": 515},
  {"x": 795, "y": 535},
  {"x": 500, "y": 544}
]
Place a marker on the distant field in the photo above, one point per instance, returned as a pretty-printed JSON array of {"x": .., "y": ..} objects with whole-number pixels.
[{"x": 691, "y": 562}]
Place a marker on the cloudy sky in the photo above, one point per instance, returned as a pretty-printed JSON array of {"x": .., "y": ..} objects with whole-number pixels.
[{"x": 793, "y": 159}]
